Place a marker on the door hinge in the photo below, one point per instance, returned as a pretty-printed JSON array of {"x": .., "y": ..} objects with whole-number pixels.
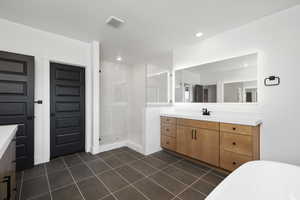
[{"x": 30, "y": 117}]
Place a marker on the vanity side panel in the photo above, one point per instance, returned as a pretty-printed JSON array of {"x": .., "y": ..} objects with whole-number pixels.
[
  {"x": 13, "y": 169},
  {"x": 256, "y": 142}
]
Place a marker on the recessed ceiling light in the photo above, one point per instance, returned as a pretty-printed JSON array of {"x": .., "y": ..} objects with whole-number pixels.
[
  {"x": 119, "y": 58},
  {"x": 199, "y": 34}
]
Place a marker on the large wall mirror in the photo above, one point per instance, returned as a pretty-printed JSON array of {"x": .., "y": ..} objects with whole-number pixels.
[
  {"x": 157, "y": 87},
  {"x": 228, "y": 81}
]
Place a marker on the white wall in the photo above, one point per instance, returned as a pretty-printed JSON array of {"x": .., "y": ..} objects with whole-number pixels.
[
  {"x": 137, "y": 103},
  {"x": 152, "y": 128},
  {"x": 276, "y": 38},
  {"x": 46, "y": 47}
]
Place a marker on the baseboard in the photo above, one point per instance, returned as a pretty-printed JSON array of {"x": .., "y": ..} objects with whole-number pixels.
[
  {"x": 152, "y": 150},
  {"x": 108, "y": 147},
  {"x": 99, "y": 149},
  {"x": 40, "y": 160},
  {"x": 125, "y": 143},
  {"x": 137, "y": 147}
]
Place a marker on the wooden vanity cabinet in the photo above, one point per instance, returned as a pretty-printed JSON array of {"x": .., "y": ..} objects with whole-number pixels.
[
  {"x": 222, "y": 145},
  {"x": 7, "y": 173},
  {"x": 192, "y": 138}
]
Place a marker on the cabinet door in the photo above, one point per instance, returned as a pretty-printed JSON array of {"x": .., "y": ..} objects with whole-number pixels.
[
  {"x": 184, "y": 140},
  {"x": 205, "y": 146}
]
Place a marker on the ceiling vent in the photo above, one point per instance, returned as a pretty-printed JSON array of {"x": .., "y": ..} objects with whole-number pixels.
[{"x": 114, "y": 22}]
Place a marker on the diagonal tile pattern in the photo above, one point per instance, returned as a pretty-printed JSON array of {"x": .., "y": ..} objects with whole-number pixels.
[{"x": 119, "y": 174}]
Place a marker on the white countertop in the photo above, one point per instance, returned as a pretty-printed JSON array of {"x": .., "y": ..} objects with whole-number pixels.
[
  {"x": 7, "y": 133},
  {"x": 223, "y": 117}
]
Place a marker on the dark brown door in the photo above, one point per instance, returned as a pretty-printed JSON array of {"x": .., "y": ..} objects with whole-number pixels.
[
  {"x": 67, "y": 109},
  {"x": 16, "y": 102},
  {"x": 248, "y": 96},
  {"x": 198, "y": 93}
]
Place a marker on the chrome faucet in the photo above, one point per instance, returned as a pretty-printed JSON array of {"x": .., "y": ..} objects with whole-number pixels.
[{"x": 205, "y": 111}]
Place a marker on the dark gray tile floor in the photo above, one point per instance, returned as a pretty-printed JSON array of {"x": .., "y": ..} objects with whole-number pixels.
[{"x": 120, "y": 174}]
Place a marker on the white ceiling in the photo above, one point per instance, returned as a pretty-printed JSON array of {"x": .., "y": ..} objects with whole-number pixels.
[{"x": 152, "y": 28}]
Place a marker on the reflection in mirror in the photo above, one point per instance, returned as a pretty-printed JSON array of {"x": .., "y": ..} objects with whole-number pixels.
[
  {"x": 157, "y": 88},
  {"x": 240, "y": 92},
  {"x": 158, "y": 79},
  {"x": 232, "y": 81}
]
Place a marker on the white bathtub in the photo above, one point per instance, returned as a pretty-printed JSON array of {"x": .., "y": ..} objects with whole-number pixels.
[{"x": 260, "y": 180}]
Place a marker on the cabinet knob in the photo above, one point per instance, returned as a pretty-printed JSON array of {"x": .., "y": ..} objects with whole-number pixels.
[
  {"x": 167, "y": 142},
  {"x": 233, "y": 128},
  {"x": 233, "y": 143},
  {"x": 167, "y": 129},
  {"x": 234, "y": 163}
]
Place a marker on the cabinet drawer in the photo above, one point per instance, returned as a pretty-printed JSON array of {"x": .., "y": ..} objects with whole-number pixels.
[
  {"x": 168, "y": 130},
  {"x": 168, "y": 120},
  {"x": 168, "y": 142},
  {"x": 198, "y": 124},
  {"x": 236, "y": 128},
  {"x": 241, "y": 144},
  {"x": 231, "y": 161}
]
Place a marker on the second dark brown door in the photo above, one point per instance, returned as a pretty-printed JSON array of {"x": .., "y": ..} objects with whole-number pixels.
[{"x": 67, "y": 85}]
